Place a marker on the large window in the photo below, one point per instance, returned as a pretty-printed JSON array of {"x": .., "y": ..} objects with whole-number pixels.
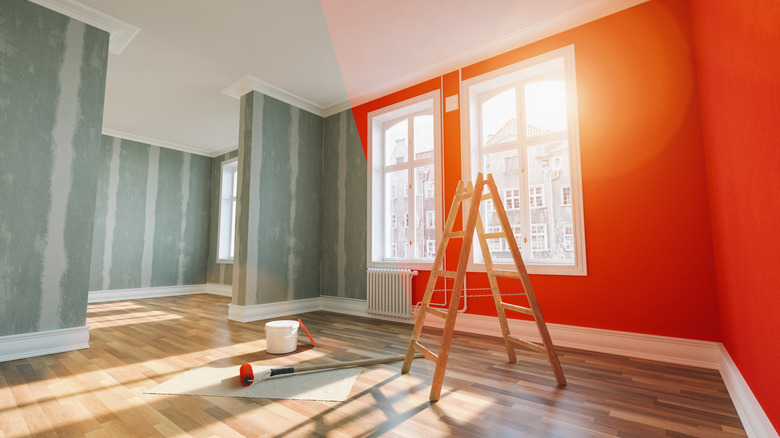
[
  {"x": 227, "y": 210},
  {"x": 520, "y": 125},
  {"x": 404, "y": 156}
]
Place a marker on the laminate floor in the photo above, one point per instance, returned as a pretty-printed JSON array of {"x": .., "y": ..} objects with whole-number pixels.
[{"x": 138, "y": 344}]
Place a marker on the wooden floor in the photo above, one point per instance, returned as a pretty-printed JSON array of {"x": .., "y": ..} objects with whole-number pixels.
[{"x": 136, "y": 345}]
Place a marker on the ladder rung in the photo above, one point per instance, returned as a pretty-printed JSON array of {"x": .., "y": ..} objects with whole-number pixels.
[
  {"x": 516, "y": 308},
  {"x": 448, "y": 274},
  {"x": 498, "y": 235},
  {"x": 461, "y": 234},
  {"x": 497, "y": 273},
  {"x": 437, "y": 312},
  {"x": 428, "y": 353},
  {"x": 525, "y": 343}
]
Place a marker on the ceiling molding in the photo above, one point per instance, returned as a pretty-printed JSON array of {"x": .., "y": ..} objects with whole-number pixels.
[
  {"x": 584, "y": 14},
  {"x": 250, "y": 83},
  {"x": 120, "y": 33},
  {"x": 336, "y": 108},
  {"x": 155, "y": 142},
  {"x": 221, "y": 151}
]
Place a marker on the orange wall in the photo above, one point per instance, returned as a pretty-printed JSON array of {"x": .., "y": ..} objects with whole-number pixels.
[
  {"x": 738, "y": 57},
  {"x": 647, "y": 226}
]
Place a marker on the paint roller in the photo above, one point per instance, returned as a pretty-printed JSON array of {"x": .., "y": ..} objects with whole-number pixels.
[
  {"x": 350, "y": 364},
  {"x": 246, "y": 374}
]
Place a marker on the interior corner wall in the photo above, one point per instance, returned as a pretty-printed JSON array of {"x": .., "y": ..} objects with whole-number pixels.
[
  {"x": 344, "y": 209},
  {"x": 277, "y": 250},
  {"x": 217, "y": 273},
  {"x": 151, "y": 217},
  {"x": 647, "y": 226},
  {"x": 738, "y": 61},
  {"x": 53, "y": 73}
]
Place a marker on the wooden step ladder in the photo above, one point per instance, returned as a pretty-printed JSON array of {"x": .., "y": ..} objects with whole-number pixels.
[{"x": 474, "y": 194}]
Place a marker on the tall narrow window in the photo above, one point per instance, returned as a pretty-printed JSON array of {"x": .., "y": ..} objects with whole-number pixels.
[
  {"x": 404, "y": 154},
  {"x": 227, "y": 210},
  {"x": 521, "y": 124}
]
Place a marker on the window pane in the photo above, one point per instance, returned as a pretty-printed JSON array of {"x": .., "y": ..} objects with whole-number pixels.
[
  {"x": 397, "y": 143},
  {"x": 423, "y": 137},
  {"x": 499, "y": 118},
  {"x": 549, "y": 180},
  {"x": 396, "y": 208},
  {"x": 425, "y": 206},
  {"x": 545, "y": 107}
]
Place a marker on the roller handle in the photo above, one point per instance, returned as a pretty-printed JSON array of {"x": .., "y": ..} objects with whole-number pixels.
[{"x": 277, "y": 371}]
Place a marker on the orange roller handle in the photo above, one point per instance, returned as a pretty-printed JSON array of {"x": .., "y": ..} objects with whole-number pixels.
[
  {"x": 247, "y": 374},
  {"x": 307, "y": 333}
]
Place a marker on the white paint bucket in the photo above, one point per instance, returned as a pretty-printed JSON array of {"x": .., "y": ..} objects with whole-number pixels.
[{"x": 281, "y": 336}]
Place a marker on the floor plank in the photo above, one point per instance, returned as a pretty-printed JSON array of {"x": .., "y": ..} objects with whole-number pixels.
[{"x": 138, "y": 344}]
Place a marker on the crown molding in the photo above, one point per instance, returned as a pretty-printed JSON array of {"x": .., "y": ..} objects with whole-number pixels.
[
  {"x": 337, "y": 108},
  {"x": 250, "y": 83},
  {"x": 584, "y": 14},
  {"x": 223, "y": 150},
  {"x": 120, "y": 32},
  {"x": 155, "y": 142}
]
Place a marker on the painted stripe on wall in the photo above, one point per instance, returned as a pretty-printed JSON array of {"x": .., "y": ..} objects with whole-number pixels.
[
  {"x": 295, "y": 144},
  {"x": 254, "y": 198},
  {"x": 342, "y": 207},
  {"x": 185, "y": 195},
  {"x": 55, "y": 258},
  {"x": 113, "y": 189},
  {"x": 151, "y": 201}
]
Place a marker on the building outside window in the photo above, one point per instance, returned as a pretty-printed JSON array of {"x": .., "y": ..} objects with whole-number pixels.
[{"x": 523, "y": 118}]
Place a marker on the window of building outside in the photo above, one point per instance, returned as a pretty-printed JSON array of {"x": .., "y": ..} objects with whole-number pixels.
[
  {"x": 227, "y": 211},
  {"x": 405, "y": 156},
  {"x": 521, "y": 125}
]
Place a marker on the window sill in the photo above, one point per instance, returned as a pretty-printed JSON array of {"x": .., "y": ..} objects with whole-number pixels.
[{"x": 225, "y": 261}]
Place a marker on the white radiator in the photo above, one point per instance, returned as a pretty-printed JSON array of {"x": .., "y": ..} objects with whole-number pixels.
[{"x": 390, "y": 293}]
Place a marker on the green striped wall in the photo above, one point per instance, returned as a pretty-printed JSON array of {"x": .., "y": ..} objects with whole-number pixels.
[
  {"x": 151, "y": 217},
  {"x": 344, "y": 200},
  {"x": 218, "y": 273},
  {"x": 280, "y": 202},
  {"x": 52, "y": 77}
]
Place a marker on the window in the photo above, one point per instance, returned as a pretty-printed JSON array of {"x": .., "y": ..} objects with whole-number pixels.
[
  {"x": 512, "y": 199},
  {"x": 404, "y": 158},
  {"x": 431, "y": 248},
  {"x": 524, "y": 117},
  {"x": 568, "y": 238},
  {"x": 536, "y": 198},
  {"x": 494, "y": 244},
  {"x": 227, "y": 210},
  {"x": 539, "y": 237},
  {"x": 566, "y": 196}
]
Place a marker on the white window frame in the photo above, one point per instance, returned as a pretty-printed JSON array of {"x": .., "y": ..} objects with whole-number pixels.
[
  {"x": 375, "y": 211},
  {"x": 430, "y": 219},
  {"x": 226, "y": 226},
  {"x": 535, "y": 233},
  {"x": 471, "y": 151},
  {"x": 568, "y": 237}
]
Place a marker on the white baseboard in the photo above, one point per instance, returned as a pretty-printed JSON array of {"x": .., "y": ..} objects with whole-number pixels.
[
  {"x": 348, "y": 306},
  {"x": 272, "y": 310},
  {"x": 26, "y": 345},
  {"x": 661, "y": 348},
  {"x": 100, "y": 296},
  {"x": 224, "y": 290},
  {"x": 752, "y": 415}
]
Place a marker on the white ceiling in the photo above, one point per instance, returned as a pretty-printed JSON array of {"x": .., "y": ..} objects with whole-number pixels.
[{"x": 165, "y": 85}]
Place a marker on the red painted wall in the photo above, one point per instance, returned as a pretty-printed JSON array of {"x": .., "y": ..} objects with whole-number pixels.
[
  {"x": 738, "y": 60},
  {"x": 647, "y": 226}
]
